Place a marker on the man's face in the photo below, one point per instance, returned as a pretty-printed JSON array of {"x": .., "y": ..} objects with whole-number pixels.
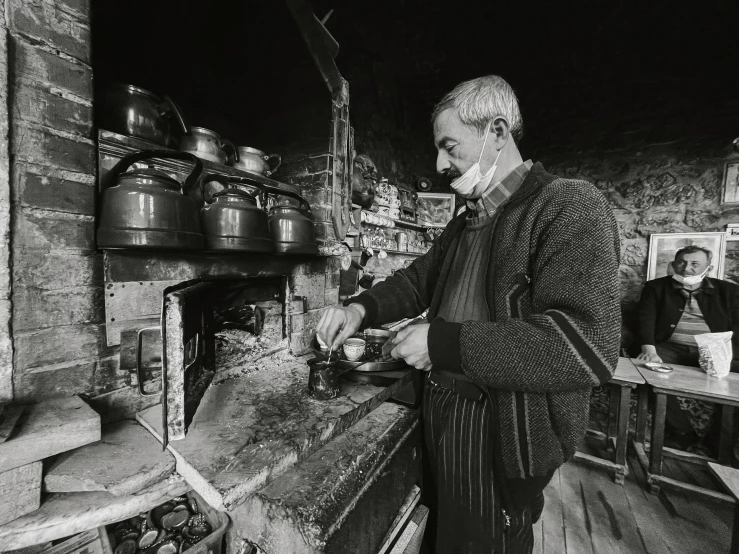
[
  {"x": 458, "y": 145},
  {"x": 693, "y": 263}
]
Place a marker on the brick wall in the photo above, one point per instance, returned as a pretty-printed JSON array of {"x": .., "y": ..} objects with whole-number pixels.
[
  {"x": 58, "y": 334},
  {"x": 6, "y": 346}
]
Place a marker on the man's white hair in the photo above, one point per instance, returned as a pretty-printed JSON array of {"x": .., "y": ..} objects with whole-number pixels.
[{"x": 479, "y": 101}]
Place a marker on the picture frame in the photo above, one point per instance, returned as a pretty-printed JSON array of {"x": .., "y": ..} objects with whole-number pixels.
[
  {"x": 662, "y": 248},
  {"x": 434, "y": 209},
  {"x": 730, "y": 194},
  {"x": 732, "y": 231}
]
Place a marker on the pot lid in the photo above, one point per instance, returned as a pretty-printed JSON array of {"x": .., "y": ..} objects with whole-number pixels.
[
  {"x": 133, "y": 88},
  {"x": 232, "y": 194},
  {"x": 204, "y": 131},
  {"x": 250, "y": 150},
  {"x": 150, "y": 176}
]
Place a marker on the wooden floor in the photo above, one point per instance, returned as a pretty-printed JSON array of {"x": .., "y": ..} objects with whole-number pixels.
[{"x": 586, "y": 512}]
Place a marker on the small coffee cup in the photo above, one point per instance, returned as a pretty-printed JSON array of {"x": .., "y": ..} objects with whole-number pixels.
[{"x": 354, "y": 349}]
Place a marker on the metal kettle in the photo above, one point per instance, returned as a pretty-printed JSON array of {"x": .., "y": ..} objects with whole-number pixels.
[
  {"x": 136, "y": 112},
  {"x": 234, "y": 222},
  {"x": 292, "y": 228},
  {"x": 146, "y": 208}
]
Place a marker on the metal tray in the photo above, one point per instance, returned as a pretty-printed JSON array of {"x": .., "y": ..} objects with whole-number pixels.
[{"x": 380, "y": 365}]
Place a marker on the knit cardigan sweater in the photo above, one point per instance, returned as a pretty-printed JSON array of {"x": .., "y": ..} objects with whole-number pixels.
[{"x": 553, "y": 298}]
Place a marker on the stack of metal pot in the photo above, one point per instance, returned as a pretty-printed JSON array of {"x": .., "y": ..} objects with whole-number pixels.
[{"x": 235, "y": 222}]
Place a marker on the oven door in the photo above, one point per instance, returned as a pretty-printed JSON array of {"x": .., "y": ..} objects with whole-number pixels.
[{"x": 188, "y": 353}]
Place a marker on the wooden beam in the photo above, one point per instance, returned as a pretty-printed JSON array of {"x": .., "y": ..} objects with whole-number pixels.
[{"x": 314, "y": 38}]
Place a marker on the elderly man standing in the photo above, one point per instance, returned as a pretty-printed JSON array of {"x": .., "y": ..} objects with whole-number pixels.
[
  {"x": 523, "y": 320},
  {"x": 671, "y": 311}
]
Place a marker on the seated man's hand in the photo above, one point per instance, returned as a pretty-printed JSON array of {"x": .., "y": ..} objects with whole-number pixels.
[
  {"x": 338, "y": 324},
  {"x": 649, "y": 354},
  {"x": 412, "y": 345}
]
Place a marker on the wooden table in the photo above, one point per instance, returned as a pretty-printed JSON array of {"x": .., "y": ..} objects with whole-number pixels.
[
  {"x": 688, "y": 382},
  {"x": 729, "y": 478},
  {"x": 625, "y": 378}
]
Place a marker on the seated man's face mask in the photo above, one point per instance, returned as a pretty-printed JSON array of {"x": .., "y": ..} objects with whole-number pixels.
[
  {"x": 690, "y": 263},
  {"x": 472, "y": 183},
  {"x": 691, "y": 280}
]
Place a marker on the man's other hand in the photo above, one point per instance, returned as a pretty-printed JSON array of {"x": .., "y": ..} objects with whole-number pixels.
[
  {"x": 338, "y": 324},
  {"x": 649, "y": 354},
  {"x": 412, "y": 345}
]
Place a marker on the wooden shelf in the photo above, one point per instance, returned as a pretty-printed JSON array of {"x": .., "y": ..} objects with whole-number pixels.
[
  {"x": 356, "y": 254},
  {"x": 398, "y": 223},
  {"x": 113, "y": 147},
  {"x": 64, "y": 514},
  {"x": 162, "y": 265}
]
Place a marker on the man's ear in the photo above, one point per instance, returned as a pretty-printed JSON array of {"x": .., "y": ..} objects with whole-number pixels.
[{"x": 501, "y": 131}]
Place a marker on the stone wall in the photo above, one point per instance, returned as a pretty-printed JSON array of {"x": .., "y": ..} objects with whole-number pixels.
[{"x": 663, "y": 188}]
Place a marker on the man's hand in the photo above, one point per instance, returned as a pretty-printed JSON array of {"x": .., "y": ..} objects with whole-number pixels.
[
  {"x": 412, "y": 345},
  {"x": 338, "y": 324},
  {"x": 649, "y": 354}
]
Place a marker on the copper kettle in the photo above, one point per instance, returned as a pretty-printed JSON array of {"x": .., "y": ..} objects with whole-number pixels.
[
  {"x": 146, "y": 208},
  {"x": 234, "y": 222},
  {"x": 292, "y": 228}
]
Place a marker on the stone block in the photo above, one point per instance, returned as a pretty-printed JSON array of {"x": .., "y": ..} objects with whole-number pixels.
[
  {"x": 34, "y": 308},
  {"x": 56, "y": 270},
  {"x": 315, "y": 195},
  {"x": 312, "y": 287},
  {"x": 47, "y": 230},
  {"x": 324, "y": 231},
  {"x": 45, "y": 108},
  {"x": 321, "y": 212},
  {"x": 51, "y": 189},
  {"x": 40, "y": 147},
  {"x": 20, "y": 491},
  {"x": 333, "y": 278},
  {"x": 54, "y": 383},
  {"x": 37, "y": 67},
  {"x": 332, "y": 297},
  {"x": 48, "y": 23}
]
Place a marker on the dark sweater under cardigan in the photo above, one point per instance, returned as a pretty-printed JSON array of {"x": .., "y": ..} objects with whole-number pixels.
[
  {"x": 661, "y": 307},
  {"x": 553, "y": 298}
]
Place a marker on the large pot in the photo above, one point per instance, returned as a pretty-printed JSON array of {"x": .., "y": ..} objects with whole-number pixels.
[
  {"x": 256, "y": 161},
  {"x": 208, "y": 145},
  {"x": 146, "y": 208},
  {"x": 136, "y": 112},
  {"x": 233, "y": 222},
  {"x": 292, "y": 228}
]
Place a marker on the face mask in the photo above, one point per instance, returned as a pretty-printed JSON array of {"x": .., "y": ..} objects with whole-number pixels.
[
  {"x": 466, "y": 184},
  {"x": 690, "y": 280}
]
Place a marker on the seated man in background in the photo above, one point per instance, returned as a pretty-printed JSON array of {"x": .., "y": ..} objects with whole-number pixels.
[{"x": 671, "y": 311}]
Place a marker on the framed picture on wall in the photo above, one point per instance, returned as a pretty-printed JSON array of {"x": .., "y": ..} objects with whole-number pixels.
[
  {"x": 731, "y": 183},
  {"x": 434, "y": 209},
  {"x": 662, "y": 248}
]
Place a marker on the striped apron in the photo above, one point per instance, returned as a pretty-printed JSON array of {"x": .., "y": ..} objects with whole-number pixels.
[{"x": 459, "y": 444}]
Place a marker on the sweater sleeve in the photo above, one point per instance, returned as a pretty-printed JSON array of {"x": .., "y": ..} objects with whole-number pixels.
[
  {"x": 407, "y": 292},
  {"x": 647, "y": 315},
  {"x": 571, "y": 337}
]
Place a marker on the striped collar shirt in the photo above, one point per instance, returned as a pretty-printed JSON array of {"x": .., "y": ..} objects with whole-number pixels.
[{"x": 500, "y": 191}]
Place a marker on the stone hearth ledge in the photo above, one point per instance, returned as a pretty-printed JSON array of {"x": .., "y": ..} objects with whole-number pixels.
[{"x": 251, "y": 429}]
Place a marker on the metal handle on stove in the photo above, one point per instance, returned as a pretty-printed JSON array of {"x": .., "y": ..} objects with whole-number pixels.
[{"x": 139, "y": 363}]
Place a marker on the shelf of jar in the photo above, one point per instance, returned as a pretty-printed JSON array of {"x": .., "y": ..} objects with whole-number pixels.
[
  {"x": 398, "y": 222},
  {"x": 356, "y": 254}
]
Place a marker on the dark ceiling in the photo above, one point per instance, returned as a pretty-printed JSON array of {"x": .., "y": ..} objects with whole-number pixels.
[{"x": 240, "y": 65}]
